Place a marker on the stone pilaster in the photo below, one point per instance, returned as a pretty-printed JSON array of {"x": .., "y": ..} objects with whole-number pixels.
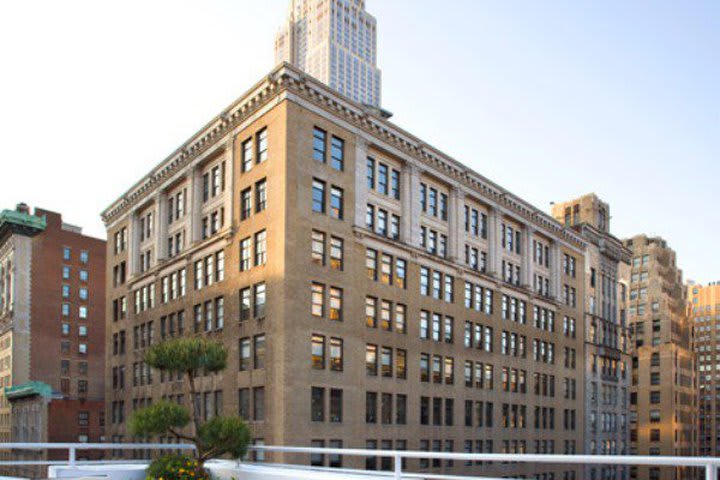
[
  {"x": 555, "y": 268},
  {"x": 494, "y": 242},
  {"x": 133, "y": 244},
  {"x": 195, "y": 204},
  {"x": 456, "y": 232},
  {"x": 361, "y": 189},
  {"x": 410, "y": 198},
  {"x": 527, "y": 257},
  {"x": 161, "y": 227}
]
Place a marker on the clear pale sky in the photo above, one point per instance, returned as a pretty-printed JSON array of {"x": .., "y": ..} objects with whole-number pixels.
[{"x": 550, "y": 99}]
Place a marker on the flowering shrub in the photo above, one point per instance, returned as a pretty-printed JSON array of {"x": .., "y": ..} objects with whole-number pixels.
[{"x": 176, "y": 467}]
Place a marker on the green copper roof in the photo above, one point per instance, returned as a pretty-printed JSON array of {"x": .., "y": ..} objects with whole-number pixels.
[
  {"x": 28, "y": 389},
  {"x": 13, "y": 217}
]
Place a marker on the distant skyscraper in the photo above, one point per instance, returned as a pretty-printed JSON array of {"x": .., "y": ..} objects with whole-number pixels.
[{"x": 335, "y": 41}]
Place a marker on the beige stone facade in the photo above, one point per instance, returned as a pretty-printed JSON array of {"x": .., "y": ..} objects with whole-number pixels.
[
  {"x": 372, "y": 291},
  {"x": 705, "y": 317},
  {"x": 606, "y": 357},
  {"x": 663, "y": 398}
]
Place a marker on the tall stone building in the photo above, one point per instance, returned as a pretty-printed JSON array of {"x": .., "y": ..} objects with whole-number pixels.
[
  {"x": 52, "y": 323},
  {"x": 372, "y": 291},
  {"x": 606, "y": 356},
  {"x": 663, "y": 398},
  {"x": 705, "y": 317},
  {"x": 335, "y": 41}
]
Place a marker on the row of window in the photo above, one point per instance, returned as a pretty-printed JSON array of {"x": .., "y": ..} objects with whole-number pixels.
[
  {"x": 382, "y": 179},
  {"x": 381, "y": 222},
  {"x": 320, "y": 147},
  {"x": 326, "y": 246},
  {"x": 393, "y": 361},
  {"x": 384, "y": 268},
  {"x": 247, "y": 197},
  {"x": 379, "y": 312},
  {"x": 256, "y": 257},
  {"x": 320, "y": 204}
]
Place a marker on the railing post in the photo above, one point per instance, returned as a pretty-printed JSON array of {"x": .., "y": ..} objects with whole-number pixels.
[
  {"x": 398, "y": 467},
  {"x": 711, "y": 472},
  {"x": 71, "y": 457}
]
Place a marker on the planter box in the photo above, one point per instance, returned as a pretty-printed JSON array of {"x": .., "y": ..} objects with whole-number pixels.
[{"x": 117, "y": 471}]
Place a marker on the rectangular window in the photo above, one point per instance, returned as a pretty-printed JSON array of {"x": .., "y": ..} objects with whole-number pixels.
[
  {"x": 247, "y": 155},
  {"x": 317, "y": 404},
  {"x": 318, "y": 247},
  {"x": 318, "y": 196},
  {"x": 336, "y": 202},
  {"x": 371, "y": 360},
  {"x": 319, "y": 137},
  {"x": 336, "y": 354},
  {"x": 318, "y": 352},
  {"x": 260, "y": 248},
  {"x": 336, "y": 253},
  {"x": 260, "y": 196},
  {"x": 262, "y": 145},
  {"x": 337, "y": 153}
]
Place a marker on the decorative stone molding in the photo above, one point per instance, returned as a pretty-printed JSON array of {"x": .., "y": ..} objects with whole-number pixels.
[{"x": 288, "y": 78}]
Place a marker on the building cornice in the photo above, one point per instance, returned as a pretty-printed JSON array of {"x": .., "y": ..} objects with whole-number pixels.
[{"x": 288, "y": 78}]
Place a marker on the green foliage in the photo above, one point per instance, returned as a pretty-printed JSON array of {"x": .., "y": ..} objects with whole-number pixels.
[
  {"x": 186, "y": 354},
  {"x": 221, "y": 435},
  {"x": 158, "y": 419},
  {"x": 176, "y": 467},
  {"x": 217, "y": 437}
]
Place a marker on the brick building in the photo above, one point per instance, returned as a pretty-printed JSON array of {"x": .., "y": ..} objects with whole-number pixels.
[{"x": 52, "y": 315}]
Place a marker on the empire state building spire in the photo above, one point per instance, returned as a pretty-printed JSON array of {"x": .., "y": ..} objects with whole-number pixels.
[{"x": 335, "y": 41}]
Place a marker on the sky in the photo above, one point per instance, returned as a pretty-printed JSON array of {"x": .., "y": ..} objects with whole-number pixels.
[{"x": 549, "y": 99}]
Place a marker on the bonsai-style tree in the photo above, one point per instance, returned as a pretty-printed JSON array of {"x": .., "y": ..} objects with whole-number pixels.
[{"x": 215, "y": 437}]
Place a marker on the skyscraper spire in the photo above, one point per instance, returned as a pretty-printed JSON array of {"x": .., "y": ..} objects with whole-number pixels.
[{"x": 335, "y": 41}]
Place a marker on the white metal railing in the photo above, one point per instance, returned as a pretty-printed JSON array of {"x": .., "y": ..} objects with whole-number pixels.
[
  {"x": 72, "y": 449},
  {"x": 710, "y": 464}
]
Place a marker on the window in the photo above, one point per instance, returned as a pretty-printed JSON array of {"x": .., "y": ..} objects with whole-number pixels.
[
  {"x": 259, "y": 351},
  {"x": 262, "y": 145},
  {"x": 336, "y": 202},
  {"x": 247, "y": 155},
  {"x": 370, "y": 407},
  {"x": 318, "y": 247},
  {"x": 260, "y": 196},
  {"x": 336, "y": 253},
  {"x": 245, "y": 203},
  {"x": 318, "y": 196},
  {"x": 371, "y": 357},
  {"x": 244, "y": 354},
  {"x": 370, "y": 173},
  {"x": 336, "y": 405},
  {"x": 318, "y": 299},
  {"x": 259, "y": 404},
  {"x": 336, "y": 354},
  {"x": 336, "y": 301},
  {"x": 371, "y": 263},
  {"x": 371, "y": 312},
  {"x": 319, "y": 137},
  {"x": 318, "y": 352},
  {"x": 66, "y": 253},
  {"x": 245, "y": 256},
  {"x": 260, "y": 297},
  {"x": 260, "y": 248},
  {"x": 337, "y": 153},
  {"x": 317, "y": 404}
]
